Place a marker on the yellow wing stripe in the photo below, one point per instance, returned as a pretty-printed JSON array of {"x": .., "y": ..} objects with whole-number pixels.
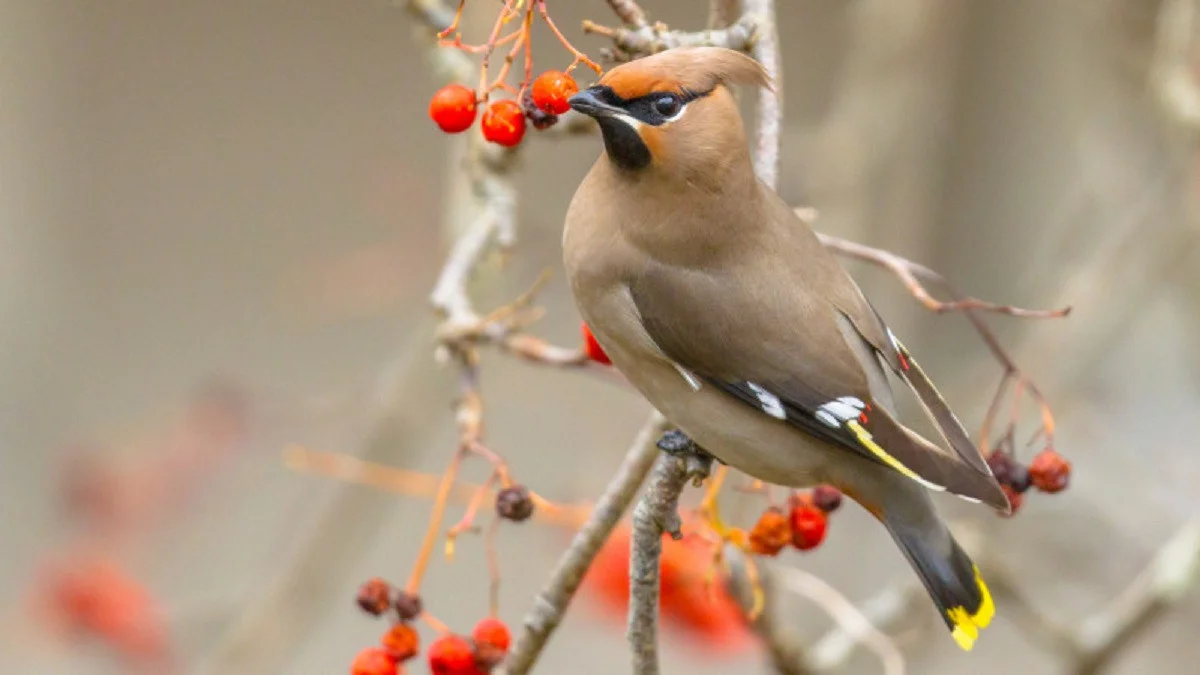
[
  {"x": 966, "y": 624},
  {"x": 867, "y": 441}
]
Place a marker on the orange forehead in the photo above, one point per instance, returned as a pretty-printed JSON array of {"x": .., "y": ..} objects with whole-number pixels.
[{"x": 628, "y": 83}]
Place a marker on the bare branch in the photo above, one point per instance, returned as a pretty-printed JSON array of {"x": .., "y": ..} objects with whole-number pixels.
[
  {"x": 765, "y": 49},
  {"x": 650, "y": 39},
  {"x": 551, "y": 604},
  {"x": 628, "y": 12},
  {"x": 655, "y": 514}
]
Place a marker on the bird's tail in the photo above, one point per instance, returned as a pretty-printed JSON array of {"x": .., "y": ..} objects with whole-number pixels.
[{"x": 953, "y": 581}]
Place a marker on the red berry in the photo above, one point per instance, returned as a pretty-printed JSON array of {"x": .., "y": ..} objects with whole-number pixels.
[
  {"x": 1015, "y": 498},
  {"x": 771, "y": 533},
  {"x": 504, "y": 123},
  {"x": 1050, "y": 471},
  {"x": 453, "y": 108},
  {"x": 374, "y": 596},
  {"x": 452, "y": 655},
  {"x": 808, "y": 526},
  {"x": 492, "y": 639},
  {"x": 827, "y": 498},
  {"x": 592, "y": 348},
  {"x": 401, "y": 642},
  {"x": 551, "y": 90},
  {"x": 373, "y": 661}
]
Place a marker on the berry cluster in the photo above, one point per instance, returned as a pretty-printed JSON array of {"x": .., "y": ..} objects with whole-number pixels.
[
  {"x": 802, "y": 526},
  {"x": 1049, "y": 472},
  {"x": 449, "y": 654},
  {"x": 454, "y": 108}
]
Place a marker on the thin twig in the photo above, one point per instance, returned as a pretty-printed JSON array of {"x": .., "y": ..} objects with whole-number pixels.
[
  {"x": 650, "y": 39},
  {"x": 765, "y": 49},
  {"x": 551, "y": 604},
  {"x": 628, "y": 12},
  {"x": 655, "y": 514}
]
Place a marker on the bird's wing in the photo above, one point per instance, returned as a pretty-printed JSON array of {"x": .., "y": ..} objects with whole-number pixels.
[{"x": 795, "y": 357}]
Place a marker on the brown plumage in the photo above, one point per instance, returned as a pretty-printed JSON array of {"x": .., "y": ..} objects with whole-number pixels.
[{"x": 721, "y": 306}]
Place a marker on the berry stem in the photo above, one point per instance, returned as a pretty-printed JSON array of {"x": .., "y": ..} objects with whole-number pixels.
[
  {"x": 522, "y": 42},
  {"x": 435, "y": 623},
  {"x": 467, "y": 523},
  {"x": 493, "y": 564},
  {"x": 490, "y": 46},
  {"x": 453, "y": 27},
  {"x": 435, "y": 523},
  {"x": 580, "y": 57}
]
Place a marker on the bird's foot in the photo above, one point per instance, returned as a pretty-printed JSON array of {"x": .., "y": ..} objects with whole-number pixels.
[{"x": 697, "y": 460}]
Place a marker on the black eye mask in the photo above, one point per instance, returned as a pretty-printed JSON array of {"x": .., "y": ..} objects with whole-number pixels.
[{"x": 655, "y": 108}]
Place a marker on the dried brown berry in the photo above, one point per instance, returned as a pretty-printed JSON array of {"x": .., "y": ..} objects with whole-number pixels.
[
  {"x": 827, "y": 498},
  {"x": 1019, "y": 479},
  {"x": 1002, "y": 465},
  {"x": 771, "y": 533},
  {"x": 540, "y": 119},
  {"x": 514, "y": 503},
  {"x": 1050, "y": 471},
  {"x": 401, "y": 642},
  {"x": 1015, "y": 498},
  {"x": 374, "y": 596},
  {"x": 408, "y": 605}
]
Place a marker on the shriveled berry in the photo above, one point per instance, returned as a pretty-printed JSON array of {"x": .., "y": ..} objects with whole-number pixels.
[
  {"x": 552, "y": 89},
  {"x": 1019, "y": 479},
  {"x": 374, "y": 596},
  {"x": 771, "y": 533},
  {"x": 401, "y": 641},
  {"x": 827, "y": 498},
  {"x": 1050, "y": 471},
  {"x": 514, "y": 503},
  {"x": 1002, "y": 464},
  {"x": 452, "y": 655},
  {"x": 808, "y": 526},
  {"x": 1015, "y": 498},
  {"x": 504, "y": 123},
  {"x": 453, "y": 108},
  {"x": 492, "y": 639},
  {"x": 592, "y": 348},
  {"x": 373, "y": 661},
  {"x": 540, "y": 119},
  {"x": 408, "y": 605}
]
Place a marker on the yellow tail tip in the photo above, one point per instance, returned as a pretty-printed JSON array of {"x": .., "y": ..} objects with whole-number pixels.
[{"x": 967, "y": 624}]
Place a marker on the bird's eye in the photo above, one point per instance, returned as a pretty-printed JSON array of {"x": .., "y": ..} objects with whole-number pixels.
[{"x": 668, "y": 105}]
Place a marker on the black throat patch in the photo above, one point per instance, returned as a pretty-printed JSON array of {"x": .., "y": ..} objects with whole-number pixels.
[{"x": 624, "y": 146}]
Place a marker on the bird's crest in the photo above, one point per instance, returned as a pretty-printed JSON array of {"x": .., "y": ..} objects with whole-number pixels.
[{"x": 685, "y": 69}]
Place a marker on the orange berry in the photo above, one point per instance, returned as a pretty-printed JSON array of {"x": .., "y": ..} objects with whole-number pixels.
[
  {"x": 504, "y": 123},
  {"x": 592, "y": 348},
  {"x": 551, "y": 90},
  {"x": 401, "y": 642},
  {"x": 1014, "y": 498},
  {"x": 374, "y": 596},
  {"x": 771, "y": 533},
  {"x": 808, "y": 526},
  {"x": 452, "y": 655},
  {"x": 1050, "y": 471},
  {"x": 492, "y": 639},
  {"x": 373, "y": 661},
  {"x": 453, "y": 108}
]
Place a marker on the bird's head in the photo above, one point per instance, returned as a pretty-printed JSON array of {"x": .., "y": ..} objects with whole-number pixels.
[{"x": 673, "y": 112}]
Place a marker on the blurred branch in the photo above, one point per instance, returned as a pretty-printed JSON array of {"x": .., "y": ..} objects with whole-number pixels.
[
  {"x": 655, "y": 514},
  {"x": 1093, "y": 644},
  {"x": 1173, "y": 66},
  {"x": 551, "y": 604},
  {"x": 765, "y": 49}
]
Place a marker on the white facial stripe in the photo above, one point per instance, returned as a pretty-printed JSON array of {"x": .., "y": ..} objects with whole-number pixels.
[{"x": 631, "y": 121}]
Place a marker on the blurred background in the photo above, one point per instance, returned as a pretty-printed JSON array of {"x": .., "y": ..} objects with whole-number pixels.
[{"x": 220, "y": 222}]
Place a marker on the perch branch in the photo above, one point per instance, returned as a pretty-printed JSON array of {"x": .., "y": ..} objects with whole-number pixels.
[
  {"x": 551, "y": 604},
  {"x": 765, "y": 49},
  {"x": 655, "y": 514}
]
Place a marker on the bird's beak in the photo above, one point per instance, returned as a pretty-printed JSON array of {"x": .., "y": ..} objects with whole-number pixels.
[{"x": 589, "y": 104}]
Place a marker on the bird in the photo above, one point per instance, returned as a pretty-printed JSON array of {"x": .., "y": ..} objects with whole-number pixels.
[{"x": 724, "y": 310}]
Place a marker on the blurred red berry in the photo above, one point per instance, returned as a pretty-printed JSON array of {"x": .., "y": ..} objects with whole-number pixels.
[
  {"x": 453, "y": 108},
  {"x": 401, "y": 642},
  {"x": 504, "y": 123},
  {"x": 452, "y": 655},
  {"x": 808, "y": 526},
  {"x": 592, "y": 348},
  {"x": 373, "y": 661},
  {"x": 771, "y": 533},
  {"x": 492, "y": 639},
  {"x": 551, "y": 90},
  {"x": 374, "y": 596},
  {"x": 1050, "y": 471},
  {"x": 1015, "y": 499},
  {"x": 827, "y": 498}
]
